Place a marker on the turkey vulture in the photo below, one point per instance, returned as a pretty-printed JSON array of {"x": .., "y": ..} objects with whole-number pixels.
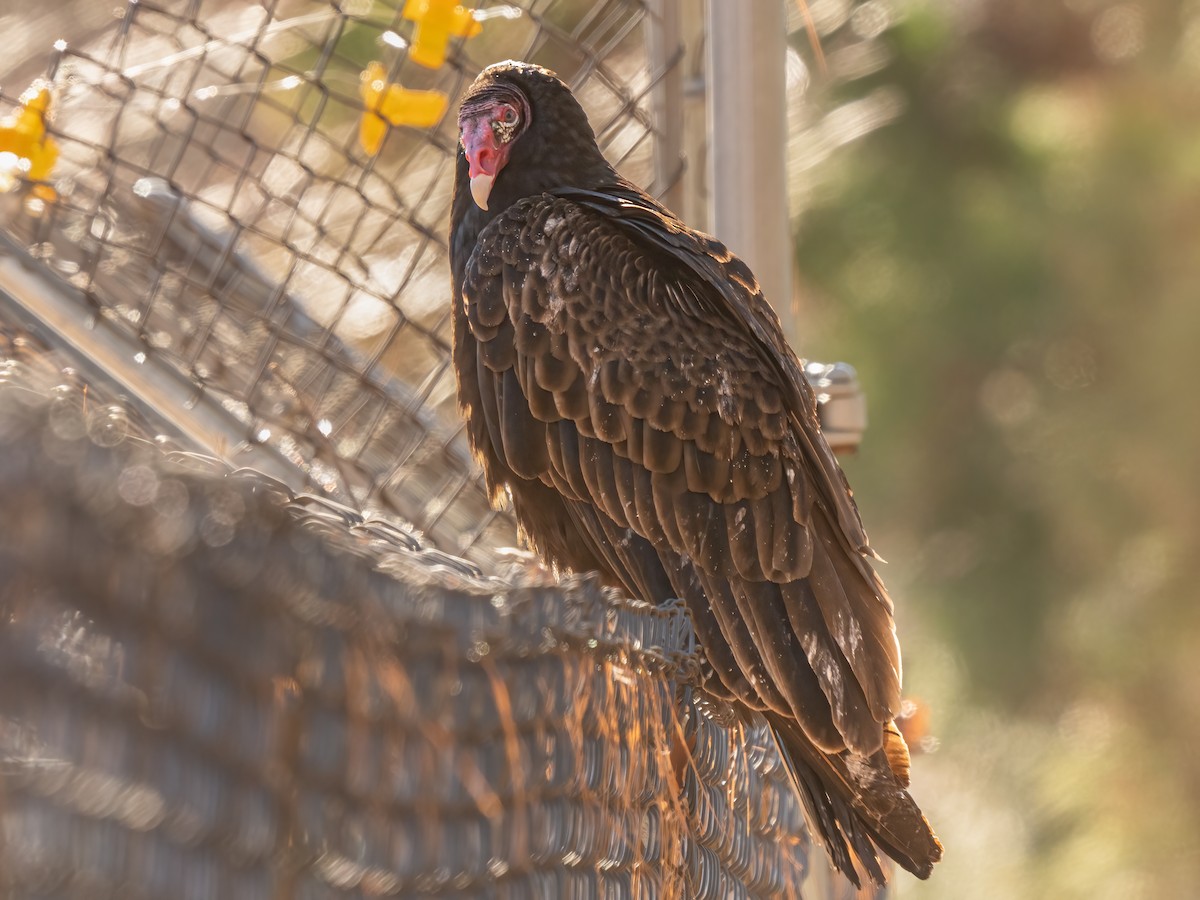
[{"x": 625, "y": 382}]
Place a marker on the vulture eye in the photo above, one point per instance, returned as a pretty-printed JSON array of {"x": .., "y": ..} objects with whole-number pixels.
[{"x": 505, "y": 125}]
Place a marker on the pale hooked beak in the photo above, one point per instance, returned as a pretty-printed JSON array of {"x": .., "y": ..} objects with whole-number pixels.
[
  {"x": 485, "y": 155},
  {"x": 481, "y": 188}
]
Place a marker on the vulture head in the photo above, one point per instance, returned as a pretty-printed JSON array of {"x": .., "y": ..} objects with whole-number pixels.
[{"x": 522, "y": 132}]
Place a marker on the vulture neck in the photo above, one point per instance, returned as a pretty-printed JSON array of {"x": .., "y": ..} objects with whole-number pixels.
[{"x": 545, "y": 169}]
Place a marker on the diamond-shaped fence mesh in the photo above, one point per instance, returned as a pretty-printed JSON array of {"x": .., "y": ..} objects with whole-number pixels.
[
  {"x": 228, "y": 220},
  {"x": 228, "y": 194},
  {"x": 212, "y": 688}
]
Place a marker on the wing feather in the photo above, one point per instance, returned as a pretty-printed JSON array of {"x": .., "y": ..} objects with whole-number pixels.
[
  {"x": 606, "y": 419},
  {"x": 541, "y": 401},
  {"x": 742, "y": 536},
  {"x": 571, "y": 472},
  {"x": 593, "y": 456},
  {"x": 524, "y": 437},
  {"x": 489, "y": 410},
  {"x": 706, "y": 472},
  {"x": 662, "y": 451},
  {"x": 801, "y": 687},
  {"x": 851, "y": 713},
  {"x": 734, "y": 628},
  {"x": 664, "y": 511},
  {"x": 850, "y": 604}
]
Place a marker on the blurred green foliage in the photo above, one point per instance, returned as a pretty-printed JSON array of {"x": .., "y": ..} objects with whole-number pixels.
[{"x": 1014, "y": 267}]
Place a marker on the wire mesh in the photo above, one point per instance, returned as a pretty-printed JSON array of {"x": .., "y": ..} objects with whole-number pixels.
[
  {"x": 223, "y": 190},
  {"x": 210, "y": 687},
  {"x": 229, "y": 203}
]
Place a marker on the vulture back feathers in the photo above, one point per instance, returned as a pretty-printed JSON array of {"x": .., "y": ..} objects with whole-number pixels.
[{"x": 624, "y": 379}]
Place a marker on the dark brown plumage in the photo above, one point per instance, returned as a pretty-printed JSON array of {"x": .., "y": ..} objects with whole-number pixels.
[{"x": 624, "y": 379}]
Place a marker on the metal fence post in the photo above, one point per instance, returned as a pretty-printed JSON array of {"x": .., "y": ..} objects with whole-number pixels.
[
  {"x": 747, "y": 47},
  {"x": 664, "y": 50}
]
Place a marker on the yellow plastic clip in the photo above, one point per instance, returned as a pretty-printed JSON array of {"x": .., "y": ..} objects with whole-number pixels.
[
  {"x": 437, "y": 21},
  {"x": 390, "y": 104},
  {"x": 26, "y": 151}
]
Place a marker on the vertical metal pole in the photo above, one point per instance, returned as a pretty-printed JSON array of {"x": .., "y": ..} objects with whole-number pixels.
[
  {"x": 664, "y": 46},
  {"x": 747, "y": 125}
]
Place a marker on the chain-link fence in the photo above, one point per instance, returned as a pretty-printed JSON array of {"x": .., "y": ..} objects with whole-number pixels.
[
  {"x": 254, "y": 198},
  {"x": 210, "y": 688},
  {"x": 232, "y": 216}
]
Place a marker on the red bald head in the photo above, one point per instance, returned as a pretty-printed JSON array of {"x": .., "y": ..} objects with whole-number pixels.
[{"x": 489, "y": 122}]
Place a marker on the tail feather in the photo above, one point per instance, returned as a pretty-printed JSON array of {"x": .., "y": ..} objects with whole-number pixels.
[
  {"x": 857, "y": 806},
  {"x": 897, "y": 752}
]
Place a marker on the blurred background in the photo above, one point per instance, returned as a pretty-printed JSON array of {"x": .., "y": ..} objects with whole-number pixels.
[
  {"x": 1011, "y": 258},
  {"x": 995, "y": 210}
]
